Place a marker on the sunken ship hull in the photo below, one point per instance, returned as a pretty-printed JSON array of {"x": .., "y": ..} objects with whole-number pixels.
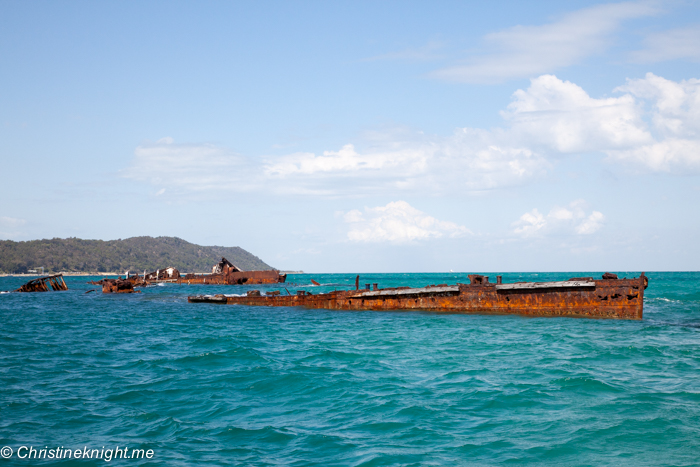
[
  {"x": 226, "y": 273},
  {"x": 579, "y": 297},
  {"x": 223, "y": 273},
  {"x": 42, "y": 284},
  {"x": 234, "y": 277}
]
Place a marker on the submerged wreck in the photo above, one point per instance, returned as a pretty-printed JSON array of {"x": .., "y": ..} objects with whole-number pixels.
[
  {"x": 42, "y": 284},
  {"x": 226, "y": 273},
  {"x": 223, "y": 273},
  {"x": 580, "y": 297},
  {"x": 118, "y": 286}
]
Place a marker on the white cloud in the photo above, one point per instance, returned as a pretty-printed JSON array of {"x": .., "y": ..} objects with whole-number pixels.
[
  {"x": 481, "y": 159},
  {"x": 467, "y": 160},
  {"x": 671, "y": 155},
  {"x": 398, "y": 222},
  {"x": 654, "y": 126},
  {"x": 591, "y": 224},
  {"x": 353, "y": 217},
  {"x": 670, "y": 45},
  {"x": 675, "y": 118},
  {"x": 562, "y": 117},
  {"x": 347, "y": 161},
  {"x": 569, "y": 220},
  {"x": 530, "y": 223},
  {"x": 525, "y": 51},
  {"x": 675, "y": 105}
]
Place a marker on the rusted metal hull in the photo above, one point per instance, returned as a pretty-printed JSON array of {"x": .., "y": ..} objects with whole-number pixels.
[
  {"x": 227, "y": 273},
  {"x": 118, "y": 286},
  {"x": 233, "y": 278},
  {"x": 42, "y": 284},
  {"x": 223, "y": 273},
  {"x": 226, "y": 278},
  {"x": 587, "y": 298}
]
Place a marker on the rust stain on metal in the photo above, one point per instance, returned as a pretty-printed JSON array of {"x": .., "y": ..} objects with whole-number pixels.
[
  {"x": 42, "y": 284},
  {"x": 577, "y": 297},
  {"x": 226, "y": 273},
  {"x": 223, "y": 273},
  {"x": 118, "y": 286}
]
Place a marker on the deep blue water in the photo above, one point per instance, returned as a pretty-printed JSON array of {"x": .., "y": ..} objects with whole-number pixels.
[{"x": 203, "y": 384}]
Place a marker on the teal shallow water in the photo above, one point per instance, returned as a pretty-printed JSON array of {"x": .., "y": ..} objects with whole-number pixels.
[{"x": 208, "y": 384}]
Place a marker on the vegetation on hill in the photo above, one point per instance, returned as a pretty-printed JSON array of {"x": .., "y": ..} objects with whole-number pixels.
[{"x": 132, "y": 254}]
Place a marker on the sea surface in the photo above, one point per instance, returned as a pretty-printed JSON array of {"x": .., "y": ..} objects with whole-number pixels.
[{"x": 205, "y": 384}]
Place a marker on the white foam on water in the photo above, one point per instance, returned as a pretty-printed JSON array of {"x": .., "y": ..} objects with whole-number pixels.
[{"x": 667, "y": 300}]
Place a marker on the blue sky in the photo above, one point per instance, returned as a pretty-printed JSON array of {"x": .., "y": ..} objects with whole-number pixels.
[{"x": 359, "y": 136}]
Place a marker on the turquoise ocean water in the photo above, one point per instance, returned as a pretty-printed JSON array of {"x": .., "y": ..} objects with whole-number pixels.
[{"x": 203, "y": 384}]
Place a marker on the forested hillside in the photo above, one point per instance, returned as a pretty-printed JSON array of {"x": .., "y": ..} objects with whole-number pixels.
[{"x": 134, "y": 254}]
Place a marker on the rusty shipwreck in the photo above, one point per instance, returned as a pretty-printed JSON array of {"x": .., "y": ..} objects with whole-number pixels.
[
  {"x": 223, "y": 273},
  {"x": 42, "y": 284},
  {"x": 226, "y": 273},
  {"x": 582, "y": 297}
]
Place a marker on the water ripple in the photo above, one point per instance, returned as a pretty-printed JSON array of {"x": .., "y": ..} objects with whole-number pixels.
[{"x": 216, "y": 385}]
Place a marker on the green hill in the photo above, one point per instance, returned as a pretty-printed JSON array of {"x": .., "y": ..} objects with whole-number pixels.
[{"x": 133, "y": 254}]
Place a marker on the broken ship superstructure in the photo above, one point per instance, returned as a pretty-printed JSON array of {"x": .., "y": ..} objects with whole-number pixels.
[
  {"x": 223, "y": 273},
  {"x": 42, "y": 284},
  {"x": 226, "y": 273}
]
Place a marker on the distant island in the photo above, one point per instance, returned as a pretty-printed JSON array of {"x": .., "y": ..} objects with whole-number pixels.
[{"x": 130, "y": 254}]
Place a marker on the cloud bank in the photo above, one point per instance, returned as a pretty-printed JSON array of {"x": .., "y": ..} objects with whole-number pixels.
[{"x": 652, "y": 125}]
